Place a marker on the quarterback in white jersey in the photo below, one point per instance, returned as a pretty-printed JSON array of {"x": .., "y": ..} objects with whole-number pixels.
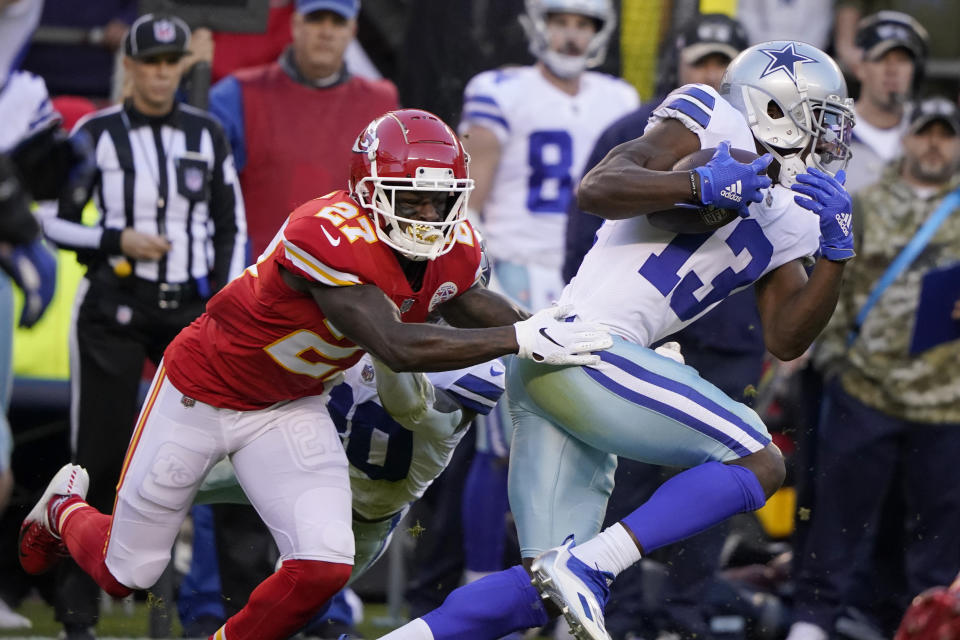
[
  {"x": 399, "y": 431},
  {"x": 529, "y": 131}
]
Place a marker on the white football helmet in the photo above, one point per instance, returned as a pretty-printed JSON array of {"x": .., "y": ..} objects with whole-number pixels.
[
  {"x": 794, "y": 98},
  {"x": 534, "y": 23}
]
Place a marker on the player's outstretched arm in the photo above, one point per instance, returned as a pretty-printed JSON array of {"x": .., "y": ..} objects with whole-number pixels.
[
  {"x": 412, "y": 400},
  {"x": 481, "y": 307},
  {"x": 369, "y": 318},
  {"x": 635, "y": 178}
]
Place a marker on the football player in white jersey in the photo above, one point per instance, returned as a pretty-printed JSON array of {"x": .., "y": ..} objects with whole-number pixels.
[
  {"x": 787, "y": 99},
  {"x": 529, "y": 131}
]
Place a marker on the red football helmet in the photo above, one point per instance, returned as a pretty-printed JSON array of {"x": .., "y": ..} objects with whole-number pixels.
[
  {"x": 933, "y": 615},
  {"x": 411, "y": 150}
]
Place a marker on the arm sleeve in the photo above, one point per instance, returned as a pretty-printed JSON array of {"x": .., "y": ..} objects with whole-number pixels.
[
  {"x": 482, "y": 107},
  {"x": 410, "y": 399},
  {"x": 227, "y": 213},
  {"x": 226, "y": 105},
  {"x": 62, "y": 223}
]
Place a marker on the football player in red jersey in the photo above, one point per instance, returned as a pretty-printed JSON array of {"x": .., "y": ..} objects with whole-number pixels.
[{"x": 350, "y": 272}]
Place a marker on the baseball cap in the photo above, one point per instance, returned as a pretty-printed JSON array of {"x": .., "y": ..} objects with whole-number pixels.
[
  {"x": 711, "y": 33},
  {"x": 886, "y": 30},
  {"x": 154, "y": 34},
  {"x": 346, "y": 8},
  {"x": 932, "y": 110}
]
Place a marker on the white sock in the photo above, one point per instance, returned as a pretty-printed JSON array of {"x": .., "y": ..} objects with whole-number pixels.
[
  {"x": 414, "y": 630},
  {"x": 611, "y": 550}
]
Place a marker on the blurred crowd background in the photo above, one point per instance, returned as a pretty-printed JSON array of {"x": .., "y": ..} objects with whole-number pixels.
[{"x": 870, "y": 423}]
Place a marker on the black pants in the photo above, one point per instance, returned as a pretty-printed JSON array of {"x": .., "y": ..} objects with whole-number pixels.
[
  {"x": 862, "y": 453},
  {"x": 119, "y": 325}
]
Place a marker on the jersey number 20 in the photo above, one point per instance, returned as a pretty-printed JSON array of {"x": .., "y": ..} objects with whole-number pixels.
[{"x": 663, "y": 270}]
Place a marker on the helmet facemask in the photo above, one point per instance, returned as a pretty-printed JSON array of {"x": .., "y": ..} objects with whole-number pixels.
[
  {"x": 416, "y": 239},
  {"x": 822, "y": 127}
]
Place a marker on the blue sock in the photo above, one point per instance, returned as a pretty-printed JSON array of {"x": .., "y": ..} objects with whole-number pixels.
[
  {"x": 489, "y": 608},
  {"x": 693, "y": 501},
  {"x": 484, "y": 511}
]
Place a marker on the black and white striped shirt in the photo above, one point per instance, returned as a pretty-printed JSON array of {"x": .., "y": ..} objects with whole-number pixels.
[{"x": 172, "y": 176}]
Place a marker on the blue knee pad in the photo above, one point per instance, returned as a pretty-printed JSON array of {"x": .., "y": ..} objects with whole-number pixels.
[{"x": 491, "y": 607}]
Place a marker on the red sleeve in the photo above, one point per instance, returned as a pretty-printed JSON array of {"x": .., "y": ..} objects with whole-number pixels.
[{"x": 328, "y": 240}]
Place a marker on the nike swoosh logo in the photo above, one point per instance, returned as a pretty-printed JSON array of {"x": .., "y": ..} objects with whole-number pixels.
[
  {"x": 333, "y": 241},
  {"x": 543, "y": 332},
  {"x": 494, "y": 373}
]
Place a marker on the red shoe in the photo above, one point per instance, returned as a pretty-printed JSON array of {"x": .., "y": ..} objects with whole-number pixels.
[{"x": 40, "y": 546}]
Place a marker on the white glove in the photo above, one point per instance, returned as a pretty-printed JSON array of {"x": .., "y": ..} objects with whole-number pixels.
[
  {"x": 671, "y": 350},
  {"x": 544, "y": 337}
]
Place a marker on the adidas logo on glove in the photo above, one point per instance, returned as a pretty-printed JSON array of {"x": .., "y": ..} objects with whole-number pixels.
[
  {"x": 732, "y": 192},
  {"x": 844, "y": 220}
]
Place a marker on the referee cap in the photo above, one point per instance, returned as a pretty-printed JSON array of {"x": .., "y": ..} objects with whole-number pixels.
[{"x": 154, "y": 34}]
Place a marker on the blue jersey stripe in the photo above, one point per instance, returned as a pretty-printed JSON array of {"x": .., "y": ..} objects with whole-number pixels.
[
  {"x": 483, "y": 99},
  {"x": 688, "y": 108},
  {"x": 471, "y": 403},
  {"x": 679, "y": 388},
  {"x": 667, "y": 410},
  {"x": 481, "y": 387},
  {"x": 469, "y": 115},
  {"x": 700, "y": 95},
  {"x": 685, "y": 390}
]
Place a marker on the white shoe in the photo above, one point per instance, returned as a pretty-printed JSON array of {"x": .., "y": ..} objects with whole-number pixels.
[
  {"x": 72, "y": 479},
  {"x": 40, "y": 544},
  {"x": 578, "y": 590},
  {"x": 10, "y": 619}
]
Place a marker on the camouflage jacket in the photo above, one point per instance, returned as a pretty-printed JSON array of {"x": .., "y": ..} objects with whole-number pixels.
[{"x": 878, "y": 369}]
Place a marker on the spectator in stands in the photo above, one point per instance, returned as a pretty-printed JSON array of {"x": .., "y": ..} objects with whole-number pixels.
[
  {"x": 894, "y": 50},
  {"x": 891, "y": 402},
  {"x": 810, "y": 21},
  {"x": 291, "y": 123},
  {"x": 725, "y": 346},
  {"x": 171, "y": 233},
  {"x": 75, "y": 51},
  {"x": 940, "y": 17}
]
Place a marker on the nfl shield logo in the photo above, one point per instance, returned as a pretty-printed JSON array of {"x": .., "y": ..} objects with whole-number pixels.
[
  {"x": 193, "y": 179},
  {"x": 406, "y": 305},
  {"x": 164, "y": 31},
  {"x": 366, "y": 374}
]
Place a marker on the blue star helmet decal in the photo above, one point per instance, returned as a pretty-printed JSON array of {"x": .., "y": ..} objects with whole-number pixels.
[{"x": 784, "y": 60}]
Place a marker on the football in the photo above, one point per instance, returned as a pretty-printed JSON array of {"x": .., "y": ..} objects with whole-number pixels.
[{"x": 704, "y": 219}]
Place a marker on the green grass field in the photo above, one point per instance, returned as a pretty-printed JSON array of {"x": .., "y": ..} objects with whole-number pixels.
[{"x": 120, "y": 624}]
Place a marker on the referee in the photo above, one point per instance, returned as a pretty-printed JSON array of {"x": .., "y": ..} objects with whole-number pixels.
[{"x": 171, "y": 232}]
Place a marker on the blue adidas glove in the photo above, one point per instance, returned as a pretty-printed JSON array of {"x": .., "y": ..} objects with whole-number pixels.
[
  {"x": 826, "y": 197},
  {"x": 34, "y": 269},
  {"x": 728, "y": 184}
]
